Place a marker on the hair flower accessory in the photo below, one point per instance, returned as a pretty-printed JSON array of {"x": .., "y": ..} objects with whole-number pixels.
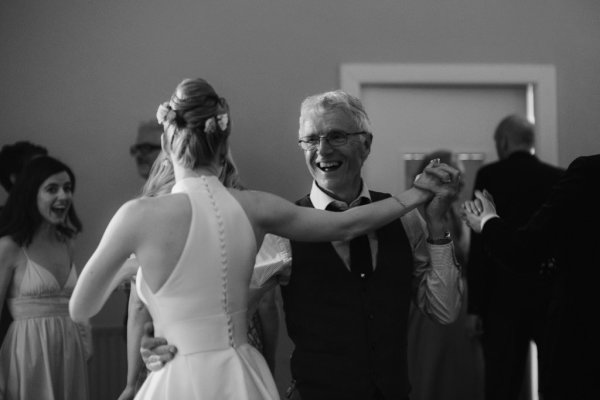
[
  {"x": 210, "y": 125},
  {"x": 223, "y": 121},
  {"x": 165, "y": 114}
]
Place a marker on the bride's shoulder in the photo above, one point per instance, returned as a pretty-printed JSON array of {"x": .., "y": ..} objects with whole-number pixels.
[
  {"x": 250, "y": 198},
  {"x": 152, "y": 203},
  {"x": 149, "y": 208}
]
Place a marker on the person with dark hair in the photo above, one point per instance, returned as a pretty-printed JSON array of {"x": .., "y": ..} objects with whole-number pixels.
[
  {"x": 519, "y": 182},
  {"x": 44, "y": 353},
  {"x": 13, "y": 158},
  {"x": 197, "y": 247},
  {"x": 563, "y": 227}
]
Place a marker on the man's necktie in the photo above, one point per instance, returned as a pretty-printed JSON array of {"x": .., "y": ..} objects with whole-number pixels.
[{"x": 360, "y": 251}]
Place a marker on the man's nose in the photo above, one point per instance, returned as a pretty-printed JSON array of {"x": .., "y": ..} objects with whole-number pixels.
[{"x": 323, "y": 146}]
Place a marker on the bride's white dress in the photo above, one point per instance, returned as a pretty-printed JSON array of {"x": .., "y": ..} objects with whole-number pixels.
[{"x": 201, "y": 308}]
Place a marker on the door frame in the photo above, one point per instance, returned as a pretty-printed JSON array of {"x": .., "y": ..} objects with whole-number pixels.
[{"x": 538, "y": 79}]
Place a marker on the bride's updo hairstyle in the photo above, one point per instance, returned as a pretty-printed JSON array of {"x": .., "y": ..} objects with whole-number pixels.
[{"x": 196, "y": 123}]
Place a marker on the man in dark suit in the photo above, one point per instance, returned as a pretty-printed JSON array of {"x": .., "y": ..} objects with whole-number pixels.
[
  {"x": 510, "y": 308},
  {"x": 565, "y": 227}
]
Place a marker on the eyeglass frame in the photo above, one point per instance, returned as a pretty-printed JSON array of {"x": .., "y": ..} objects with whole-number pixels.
[
  {"x": 306, "y": 146},
  {"x": 143, "y": 148}
]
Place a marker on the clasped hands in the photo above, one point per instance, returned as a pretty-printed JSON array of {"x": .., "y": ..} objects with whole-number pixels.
[
  {"x": 439, "y": 179},
  {"x": 442, "y": 182}
]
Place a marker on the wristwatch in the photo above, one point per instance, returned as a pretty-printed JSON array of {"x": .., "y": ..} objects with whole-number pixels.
[{"x": 440, "y": 240}]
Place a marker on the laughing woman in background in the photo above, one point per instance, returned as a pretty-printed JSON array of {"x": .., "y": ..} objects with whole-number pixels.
[{"x": 44, "y": 353}]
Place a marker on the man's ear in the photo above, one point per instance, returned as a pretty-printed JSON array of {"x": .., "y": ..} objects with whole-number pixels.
[{"x": 367, "y": 144}]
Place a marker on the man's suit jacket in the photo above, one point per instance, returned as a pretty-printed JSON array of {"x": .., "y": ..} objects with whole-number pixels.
[
  {"x": 519, "y": 184},
  {"x": 567, "y": 226}
]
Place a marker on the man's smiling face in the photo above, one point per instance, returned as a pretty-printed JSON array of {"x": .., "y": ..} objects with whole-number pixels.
[{"x": 335, "y": 169}]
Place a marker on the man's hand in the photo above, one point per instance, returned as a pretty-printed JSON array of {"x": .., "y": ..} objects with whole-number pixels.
[
  {"x": 156, "y": 352},
  {"x": 474, "y": 211}
]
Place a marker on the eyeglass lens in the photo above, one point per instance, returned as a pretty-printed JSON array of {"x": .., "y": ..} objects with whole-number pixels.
[{"x": 334, "y": 139}]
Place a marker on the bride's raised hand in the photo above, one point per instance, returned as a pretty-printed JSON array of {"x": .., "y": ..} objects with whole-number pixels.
[{"x": 439, "y": 179}]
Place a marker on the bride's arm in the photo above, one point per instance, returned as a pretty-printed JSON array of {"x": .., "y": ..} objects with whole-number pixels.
[
  {"x": 103, "y": 272},
  {"x": 275, "y": 215}
]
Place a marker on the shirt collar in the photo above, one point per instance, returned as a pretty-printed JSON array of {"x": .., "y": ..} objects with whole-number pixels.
[{"x": 321, "y": 200}]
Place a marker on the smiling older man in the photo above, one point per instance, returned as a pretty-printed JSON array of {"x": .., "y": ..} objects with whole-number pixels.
[{"x": 346, "y": 303}]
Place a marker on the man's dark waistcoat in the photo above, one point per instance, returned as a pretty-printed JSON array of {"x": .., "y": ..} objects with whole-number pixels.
[{"x": 350, "y": 333}]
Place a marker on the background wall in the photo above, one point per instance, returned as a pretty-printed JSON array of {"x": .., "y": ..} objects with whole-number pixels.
[{"x": 78, "y": 76}]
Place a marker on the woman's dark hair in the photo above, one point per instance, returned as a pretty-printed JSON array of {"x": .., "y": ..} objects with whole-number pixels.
[
  {"x": 13, "y": 158},
  {"x": 20, "y": 218}
]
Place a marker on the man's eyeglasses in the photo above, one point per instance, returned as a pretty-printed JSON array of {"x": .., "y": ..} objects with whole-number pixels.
[
  {"x": 334, "y": 139},
  {"x": 143, "y": 149}
]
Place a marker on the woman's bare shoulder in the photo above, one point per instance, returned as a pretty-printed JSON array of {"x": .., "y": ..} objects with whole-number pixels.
[
  {"x": 8, "y": 244},
  {"x": 9, "y": 251},
  {"x": 145, "y": 207}
]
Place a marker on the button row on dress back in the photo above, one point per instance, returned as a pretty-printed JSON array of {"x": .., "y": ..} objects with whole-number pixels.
[{"x": 224, "y": 261}]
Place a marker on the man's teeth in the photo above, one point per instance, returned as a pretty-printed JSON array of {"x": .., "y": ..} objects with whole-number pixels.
[{"x": 329, "y": 165}]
